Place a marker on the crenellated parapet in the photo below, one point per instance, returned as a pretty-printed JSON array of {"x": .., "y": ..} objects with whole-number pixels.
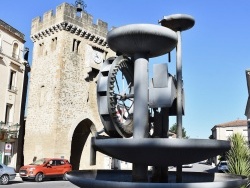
[{"x": 66, "y": 18}]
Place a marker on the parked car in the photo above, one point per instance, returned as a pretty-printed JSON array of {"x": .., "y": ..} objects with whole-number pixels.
[
  {"x": 223, "y": 167},
  {"x": 6, "y": 174},
  {"x": 45, "y": 168}
]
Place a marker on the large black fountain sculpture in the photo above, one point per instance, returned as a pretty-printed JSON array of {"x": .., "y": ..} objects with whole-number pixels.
[{"x": 141, "y": 111}]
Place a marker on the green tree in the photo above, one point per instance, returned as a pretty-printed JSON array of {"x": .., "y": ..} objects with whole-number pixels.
[
  {"x": 174, "y": 130},
  {"x": 238, "y": 156}
]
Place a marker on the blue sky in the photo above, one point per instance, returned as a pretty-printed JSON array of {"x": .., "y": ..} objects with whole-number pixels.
[{"x": 216, "y": 51}]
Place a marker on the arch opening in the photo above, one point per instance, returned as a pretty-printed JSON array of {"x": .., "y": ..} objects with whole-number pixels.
[{"x": 79, "y": 139}]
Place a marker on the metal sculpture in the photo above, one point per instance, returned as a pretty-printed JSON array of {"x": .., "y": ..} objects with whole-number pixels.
[
  {"x": 137, "y": 43},
  {"x": 116, "y": 102}
]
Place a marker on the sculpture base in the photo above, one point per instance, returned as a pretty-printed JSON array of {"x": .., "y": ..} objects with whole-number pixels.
[{"x": 123, "y": 179}]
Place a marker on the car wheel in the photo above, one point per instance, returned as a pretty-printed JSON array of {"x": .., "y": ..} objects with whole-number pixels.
[
  {"x": 64, "y": 177},
  {"x": 4, "y": 179},
  {"x": 39, "y": 177}
]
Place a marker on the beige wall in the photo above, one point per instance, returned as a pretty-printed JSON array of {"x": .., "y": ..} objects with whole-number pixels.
[
  {"x": 222, "y": 133},
  {"x": 12, "y": 96},
  {"x": 7, "y": 63}
]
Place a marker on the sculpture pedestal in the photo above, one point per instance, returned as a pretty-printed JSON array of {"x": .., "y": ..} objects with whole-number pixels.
[{"x": 123, "y": 179}]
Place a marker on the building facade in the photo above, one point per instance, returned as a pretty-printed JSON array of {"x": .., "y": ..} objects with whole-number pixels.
[
  {"x": 225, "y": 130},
  {"x": 62, "y": 111},
  {"x": 12, "y": 70}
]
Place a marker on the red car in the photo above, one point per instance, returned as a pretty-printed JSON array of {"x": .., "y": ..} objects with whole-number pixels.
[{"x": 45, "y": 168}]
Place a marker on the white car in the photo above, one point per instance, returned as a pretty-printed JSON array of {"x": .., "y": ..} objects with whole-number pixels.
[
  {"x": 222, "y": 167},
  {"x": 6, "y": 174}
]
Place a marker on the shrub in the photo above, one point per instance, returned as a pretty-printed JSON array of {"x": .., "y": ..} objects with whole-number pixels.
[{"x": 238, "y": 156}]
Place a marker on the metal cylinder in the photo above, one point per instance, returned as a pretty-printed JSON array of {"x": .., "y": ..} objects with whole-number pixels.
[
  {"x": 179, "y": 85},
  {"x": 140, "y": 116}
]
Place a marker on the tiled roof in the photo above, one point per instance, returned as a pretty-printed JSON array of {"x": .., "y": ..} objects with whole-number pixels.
[{"x": 235, "y": 123}]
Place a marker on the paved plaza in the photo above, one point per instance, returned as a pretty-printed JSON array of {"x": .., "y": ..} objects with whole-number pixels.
[{"x": 18, "y": 183}]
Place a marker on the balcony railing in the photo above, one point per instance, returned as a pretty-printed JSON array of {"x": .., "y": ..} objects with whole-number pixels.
[{"x": 10, "y": 129}]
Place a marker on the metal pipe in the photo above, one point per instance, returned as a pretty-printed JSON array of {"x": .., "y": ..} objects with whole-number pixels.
[
  {"x": 140, "y": 117},
  {"x": 179, "y": 85},
  {"x": 179, "y": 100}
]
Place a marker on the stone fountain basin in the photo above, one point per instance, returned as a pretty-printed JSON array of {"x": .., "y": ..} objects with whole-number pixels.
[
  {"x": 151, "y": 40},
  {"x": 123, "y": 179},
  {"x": 160, "y": 151}
]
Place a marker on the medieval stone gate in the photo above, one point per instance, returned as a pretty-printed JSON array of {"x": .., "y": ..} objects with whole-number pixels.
[{"x": 62, "y": 111}]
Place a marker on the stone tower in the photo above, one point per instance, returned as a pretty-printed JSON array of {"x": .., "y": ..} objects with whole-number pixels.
[{"x": 62, "y": 109}]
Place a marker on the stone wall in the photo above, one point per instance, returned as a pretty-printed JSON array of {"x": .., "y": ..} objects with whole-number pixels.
[{"x": 63, "y": 82}]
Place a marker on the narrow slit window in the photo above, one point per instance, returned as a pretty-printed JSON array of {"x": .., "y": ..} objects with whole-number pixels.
[
  {"x": 76, "y": 44},
  {"x": 73, "y": 48},
  {"x": 42, "y": 95},
  {"x": 54, "y": 43},
  {"x": 77, "y": 47},
  {"x": 41, "y": 46}
]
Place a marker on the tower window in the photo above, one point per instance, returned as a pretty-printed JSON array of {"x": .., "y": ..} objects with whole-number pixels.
[
  {"x": 42, "y": 96},
  {"x": 53, "y": 43},
  {"x": 41, "y": 47},
  {"x": 75, "y": 46}
]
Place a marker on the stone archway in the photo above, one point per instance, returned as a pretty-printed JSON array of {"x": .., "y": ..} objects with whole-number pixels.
[{"x": 79, "y": 138}]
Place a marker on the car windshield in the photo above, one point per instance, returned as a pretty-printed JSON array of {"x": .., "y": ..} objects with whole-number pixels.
[{"x": 39, "y": 162}]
